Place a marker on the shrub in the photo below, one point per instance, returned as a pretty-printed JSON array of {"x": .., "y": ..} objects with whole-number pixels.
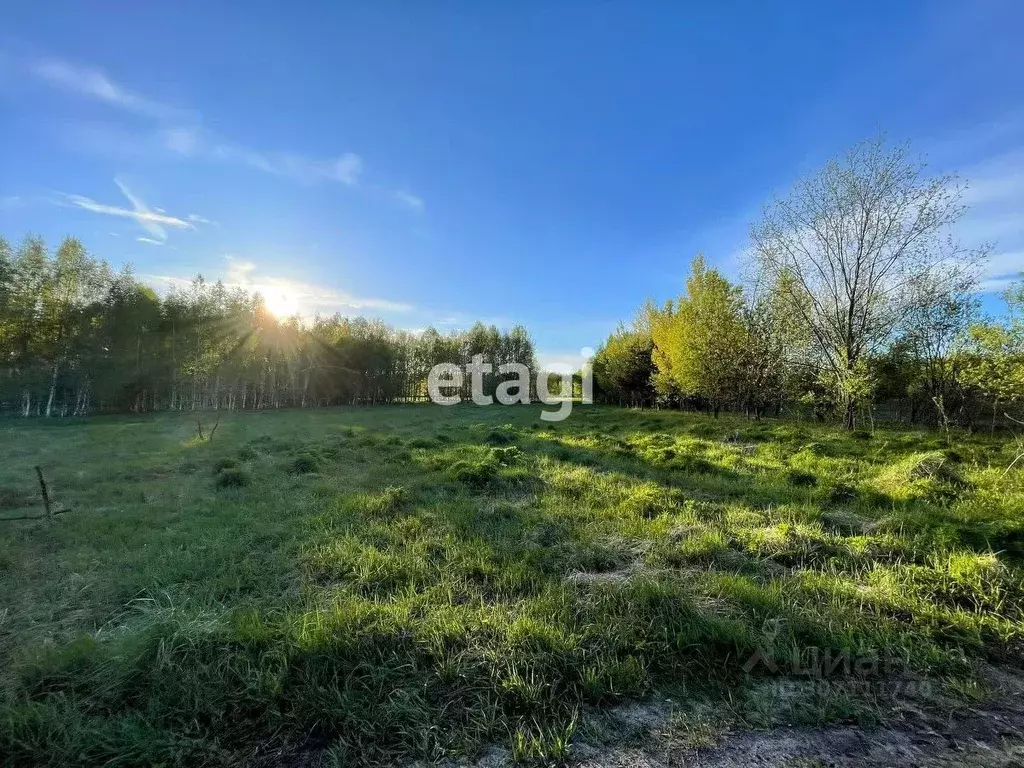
[
  {"x": 304, "y": 463},
  {"x": 422, "y": 442},
  {"x": 247, "y": 454},
  {"x": 233, "y": 477}
]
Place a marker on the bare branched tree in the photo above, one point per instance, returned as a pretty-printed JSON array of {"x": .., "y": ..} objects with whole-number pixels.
[{"x": 850, "y": 246}]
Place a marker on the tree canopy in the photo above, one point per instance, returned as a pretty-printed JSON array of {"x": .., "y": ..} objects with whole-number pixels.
[
  {"x": 858, "y": 300},
  {"x": 77, "y": 337}
]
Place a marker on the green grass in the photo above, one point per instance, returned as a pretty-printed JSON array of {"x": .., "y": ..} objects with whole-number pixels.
[{"x": 381, "y": 584}]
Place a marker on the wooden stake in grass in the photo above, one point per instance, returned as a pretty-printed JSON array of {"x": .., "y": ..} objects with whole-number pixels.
[
  {"x": 50, "y": 512},
  {"x": 46, "y": 493}
]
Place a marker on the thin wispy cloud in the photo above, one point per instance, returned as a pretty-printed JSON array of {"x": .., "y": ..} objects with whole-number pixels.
[
  {"x": 183, "y": 141},
  {"x": 995, "y": 196},
  {"x": 93, "y": 84},
  {"x": 181, "y": 134},
  {"x": 410, "y": 200},
  {"x": 1003, "y": 269},
  {"x": 149, "y": 240},
  {"x": 197, "y": 143},
  {"x": 998, "y": 179},
  {"x": 305, "y": 298},
  {"x": 153, "y": 221},
  {"x": 344, "y": 169}
]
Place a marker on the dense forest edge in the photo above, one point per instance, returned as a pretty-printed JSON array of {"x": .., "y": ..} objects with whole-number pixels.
[{"x": 857, "y": 304}]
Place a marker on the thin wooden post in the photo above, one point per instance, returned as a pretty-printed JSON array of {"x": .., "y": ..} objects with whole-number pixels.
[{"x": 46, "y": 494}]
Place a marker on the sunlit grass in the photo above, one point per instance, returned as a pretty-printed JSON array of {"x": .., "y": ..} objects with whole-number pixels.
[{"x": 388, "y": 583}]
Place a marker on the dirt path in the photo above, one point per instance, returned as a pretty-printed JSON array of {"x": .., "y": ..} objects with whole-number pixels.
[
  {"x": 980, "y": 740},
  {"x": 641, "y": 736}
]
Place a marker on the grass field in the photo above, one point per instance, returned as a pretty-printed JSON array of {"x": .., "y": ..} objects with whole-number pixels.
[{"x": 388, "y": 584}]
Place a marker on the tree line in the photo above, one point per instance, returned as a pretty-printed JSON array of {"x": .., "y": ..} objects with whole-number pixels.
[
  {"x": 77, "y": 337},
  {"x": 857, "y": 301}
]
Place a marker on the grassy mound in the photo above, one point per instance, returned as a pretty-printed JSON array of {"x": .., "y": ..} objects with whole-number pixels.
[
  {"x": 921, "y": 475},
  {"x": 304, "y": 463},
  {"x": 233, "y": 477}
]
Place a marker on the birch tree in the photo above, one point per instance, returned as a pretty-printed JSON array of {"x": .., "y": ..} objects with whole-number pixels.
[{"x": 850, "y": 243}]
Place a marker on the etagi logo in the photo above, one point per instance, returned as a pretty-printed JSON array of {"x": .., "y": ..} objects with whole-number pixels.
[{"x": 449, "y": 376}]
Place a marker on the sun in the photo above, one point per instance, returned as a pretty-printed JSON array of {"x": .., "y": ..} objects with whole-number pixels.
[{"x": 281, "y": 304}]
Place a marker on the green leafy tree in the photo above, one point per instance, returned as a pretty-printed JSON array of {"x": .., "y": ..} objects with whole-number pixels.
[
  {"x": 699, "y": 341},
  {"x": 623, "y": 369},
  {"x": 993, "y": 363}
]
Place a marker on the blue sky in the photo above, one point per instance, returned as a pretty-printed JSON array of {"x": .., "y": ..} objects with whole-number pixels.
[{"x": 433, "y": 163}]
